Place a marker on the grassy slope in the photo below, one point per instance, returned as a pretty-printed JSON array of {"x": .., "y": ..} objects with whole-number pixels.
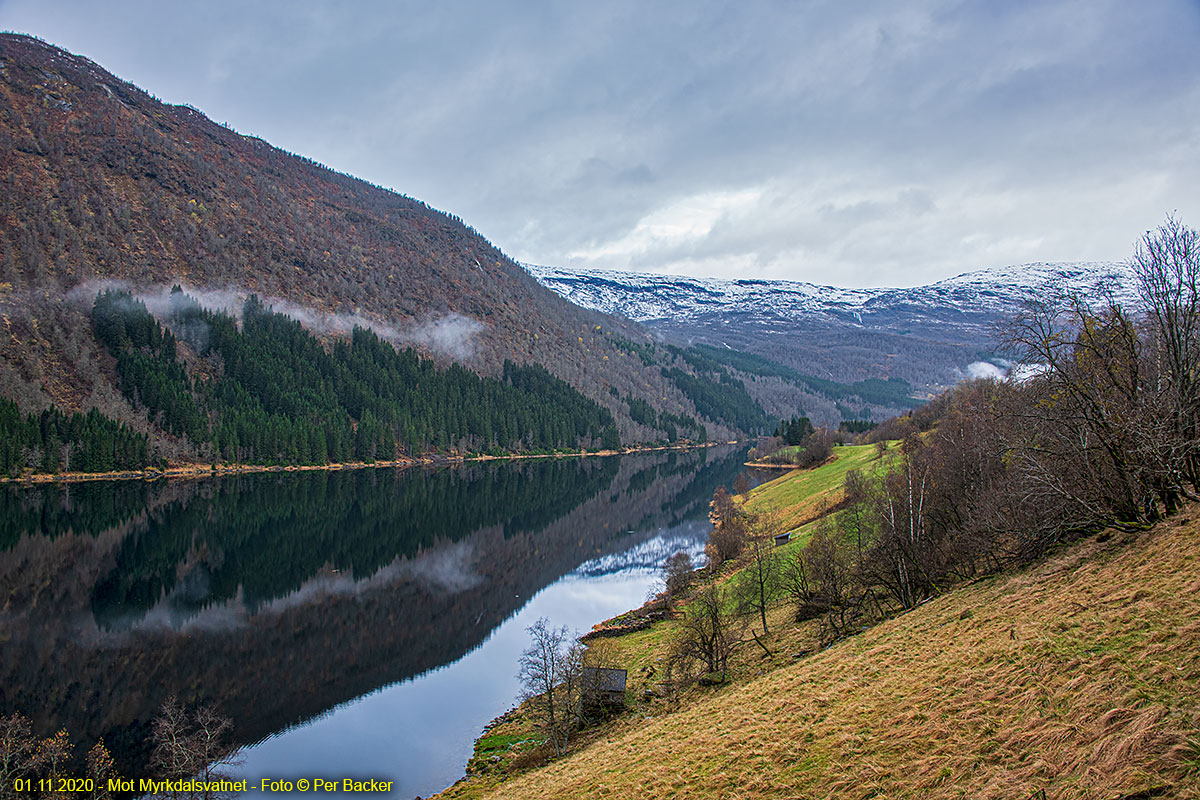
[
  {"x": 1080, "y": 677},
  {"x": 797, "y": 497},
  {"x": 796, "y": 494}
]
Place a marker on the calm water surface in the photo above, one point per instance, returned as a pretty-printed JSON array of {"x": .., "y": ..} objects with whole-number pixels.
[{"x": 362, "y": 623}]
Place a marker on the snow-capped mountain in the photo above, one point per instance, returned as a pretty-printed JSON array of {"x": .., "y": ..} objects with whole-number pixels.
[
  {"x": 648, "y": 298},
  {"x": 929, "y": 335}
]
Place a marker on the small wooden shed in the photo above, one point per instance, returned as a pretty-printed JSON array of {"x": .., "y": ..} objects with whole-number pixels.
[
  {"x": 604, "y": 686},
  {"x": 783, "y": 538}
]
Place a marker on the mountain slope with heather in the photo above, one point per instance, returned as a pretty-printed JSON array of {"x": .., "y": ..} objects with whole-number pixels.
[{"x": 104, "y": 185}]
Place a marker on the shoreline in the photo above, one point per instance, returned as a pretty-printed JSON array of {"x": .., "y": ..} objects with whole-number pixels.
[
  {"x": 770, "y": 465},
  {"x": 762, "y": 464},
  {"x": 183, "y": 471},
  {"x": 635, "y": 620}
]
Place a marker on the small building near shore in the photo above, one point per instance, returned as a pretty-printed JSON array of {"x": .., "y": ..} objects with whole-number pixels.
[
  {"x": 604, "y": 686},
  {"x": 783, "y": 538}
]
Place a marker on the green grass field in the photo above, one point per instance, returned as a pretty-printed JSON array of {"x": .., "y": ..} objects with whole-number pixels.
[{"x": 797, "y": 497}]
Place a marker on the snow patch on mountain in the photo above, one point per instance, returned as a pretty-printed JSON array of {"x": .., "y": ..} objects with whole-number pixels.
[{"x": 648, "y": 297}]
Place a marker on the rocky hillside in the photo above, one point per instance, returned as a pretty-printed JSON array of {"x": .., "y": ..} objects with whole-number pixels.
[
  {"x": 928, "y": 335},
  {"x": 103, "y": 183}
]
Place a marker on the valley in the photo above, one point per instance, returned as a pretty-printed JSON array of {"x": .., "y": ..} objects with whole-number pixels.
[
  {"x": 931, "y": 336},
  {"x": 111, "y": 191},
  {"x": 304, "y": 478}
]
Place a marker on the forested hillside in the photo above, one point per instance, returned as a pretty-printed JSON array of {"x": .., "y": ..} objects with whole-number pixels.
[
  {"x": 280, "y": 397},
  {"x": 53, "y": 441},
  {"x": 783, "y": 388},
  {"x": 104, "y": 186}
]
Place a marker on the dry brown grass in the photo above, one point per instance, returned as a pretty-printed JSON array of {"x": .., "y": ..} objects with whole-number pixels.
[{"x": 1079, "y": 678}]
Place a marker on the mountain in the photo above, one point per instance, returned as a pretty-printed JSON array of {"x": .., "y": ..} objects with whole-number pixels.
[
  {"x": 652, "y": 298},
  {"x": 928, "y": 335},
  {"x": 105, "y": 187}
]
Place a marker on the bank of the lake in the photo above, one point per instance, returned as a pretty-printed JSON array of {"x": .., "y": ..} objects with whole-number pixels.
[
  {"x": 202, "y": 470},
  {"x": 1074, "y": 676},
  {"x": 639, "y": 639}
]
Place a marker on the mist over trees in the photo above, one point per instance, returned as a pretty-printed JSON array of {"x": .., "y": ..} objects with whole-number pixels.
[
  {"x": 270, "y": 392},
  {"x": 117, "y": 186}
]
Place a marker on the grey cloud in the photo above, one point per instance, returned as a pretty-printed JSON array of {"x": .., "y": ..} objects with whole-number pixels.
[{"x": 885, "y": 143}]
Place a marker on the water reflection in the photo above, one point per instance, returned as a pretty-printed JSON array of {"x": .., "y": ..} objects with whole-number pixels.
[
  {"x": 277, "y": 597},
  {"x": 420, "y": 733}
]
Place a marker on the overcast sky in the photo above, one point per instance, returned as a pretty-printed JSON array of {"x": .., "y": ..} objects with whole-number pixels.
[{"x": 857, "y": 144}]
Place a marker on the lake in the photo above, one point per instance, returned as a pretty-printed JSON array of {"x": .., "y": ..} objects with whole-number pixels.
[{"x": 360, "y": 623}]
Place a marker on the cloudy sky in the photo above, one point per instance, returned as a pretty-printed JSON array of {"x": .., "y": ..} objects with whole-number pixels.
[{"x": 858, "y": 144}]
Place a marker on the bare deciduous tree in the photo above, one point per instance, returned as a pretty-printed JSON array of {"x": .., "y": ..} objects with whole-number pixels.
[
  {"x": 723, "y": 507},
  {"x": 757, "y": 585},
  {"x": 828, "y": 564},
  {"x": 902, "y": 541},
  {"x": 816, "y": 448},
  {"x": 797, "y": 584},
  {"x": 728, "y": 536},
  {"x": 1167, "y": 266},
  {"x": 856, "y": 493},
  {"x": 707, "y": 634},
  {"x": 17, "y": 747},
  {"x": 1095, "y": 411},
  {"x": 550, "y": 674},
  {"x": 100, "y": 767},
  {"x": 191, "y": 744},
  {"x": 677, "y": 574}
]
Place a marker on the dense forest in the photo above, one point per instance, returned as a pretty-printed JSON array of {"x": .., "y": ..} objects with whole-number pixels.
[
  {"x": 268, "y": 392},
  {"x": 261, "y": 388},
  {"x": 674, "y": 426},
  {"x": 52, "y": 441},
  {"x": 724, "y": 398},
  {"x": 876, "y": 391}
]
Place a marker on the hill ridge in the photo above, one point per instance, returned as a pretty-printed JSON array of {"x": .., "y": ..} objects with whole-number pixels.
[{"x": 651, "y": 296}]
